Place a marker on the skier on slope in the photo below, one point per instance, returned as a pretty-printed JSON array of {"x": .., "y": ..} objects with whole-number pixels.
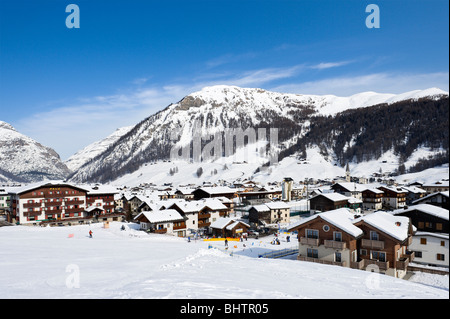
[{"x": 90, "y": 233}]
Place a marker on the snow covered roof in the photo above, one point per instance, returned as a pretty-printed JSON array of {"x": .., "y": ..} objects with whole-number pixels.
[
  {"x": 235, "y": 223},
  {"x": 277, "y": 205},
  {"x": 352, "y": 187},
  {"x": 427, "y": 209},
  {"x": 261, "y": 208},
  {"x": 374, "y": 190},
  {"x": 446, "y": 194},
  {"x": 218, "y": 190},
  {"x": 213, "y": 203},
  {"x": 414, "y": 189},
  {"x": 100, "y": 189},
  {"x": 226, "y": 222},
  {"x": 92, "y": 208},
  {"x": 342, "y": 218},
  {"x": 31, "y": 186},
  {"x": 335, "y": 197},
  {"x": 392, "y": 225},
  {"x": 159, "y": 216},
  {"x": 221, "y": 223}
]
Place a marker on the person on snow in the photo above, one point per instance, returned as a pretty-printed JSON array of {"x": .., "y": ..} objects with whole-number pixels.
[
  {"x": 226, "y": 242},
  {"x": 90, "y": 233}
]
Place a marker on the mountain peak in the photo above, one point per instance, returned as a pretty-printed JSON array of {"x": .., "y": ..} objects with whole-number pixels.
[{"x": 7, "y": 126}]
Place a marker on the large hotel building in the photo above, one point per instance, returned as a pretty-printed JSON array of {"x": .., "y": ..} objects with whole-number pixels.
[{"x": 51, "y": 202}]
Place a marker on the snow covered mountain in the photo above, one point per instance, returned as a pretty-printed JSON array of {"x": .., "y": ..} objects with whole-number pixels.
[
  {"x": 91, "y": 151},
  {"x": 22, "y": 159},
  {"x": 216, "y": 108}
]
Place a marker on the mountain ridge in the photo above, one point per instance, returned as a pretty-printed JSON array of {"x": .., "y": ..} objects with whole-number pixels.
[{"x": 216, "y": 108}]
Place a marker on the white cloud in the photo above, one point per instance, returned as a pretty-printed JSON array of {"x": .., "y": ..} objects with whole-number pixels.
[{"x": 378, "y": 82}]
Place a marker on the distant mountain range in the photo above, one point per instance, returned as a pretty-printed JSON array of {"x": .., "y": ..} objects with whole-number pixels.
[
  {"x": 22, "y": 159},
  {"x": 354, "y": 129}
]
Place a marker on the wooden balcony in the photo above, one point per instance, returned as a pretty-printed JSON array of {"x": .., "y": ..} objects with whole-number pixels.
[
  {"x": 309, "y": 241},
  {"x": 203, "y": 224},
  {"x": 31, "y": 205},
  {"x": 402, "y": 263},
  {"x": 74, "y": 202},
  {"x": 203, "y": 215},
  {"x": 335, "y": 244},
  {"x": 357, "y": 264},
  {"x": 372, "y": 244},
  {"x": 177, "y": 227},
  {"x": 383, "y": 265},
  {"x": 160, "y": 231}
]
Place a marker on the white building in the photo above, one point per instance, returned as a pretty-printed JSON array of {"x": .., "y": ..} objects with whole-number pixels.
[{"x": 431, "y": 248}]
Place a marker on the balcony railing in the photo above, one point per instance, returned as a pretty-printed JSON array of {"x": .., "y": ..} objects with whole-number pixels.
[
  {"x": 373, "y": 244},
  {"x": 160, "y": 231},
  {"x": 204, "y": 215},
  {"x": 383, "y": 265},
  {"x": 335, "y": 244},
  {"x": 321, "y": 261},
  {"x": 309, "y": 241},
  {"x": 31, "y": 205},
  {"x": 182, "y": 226}
]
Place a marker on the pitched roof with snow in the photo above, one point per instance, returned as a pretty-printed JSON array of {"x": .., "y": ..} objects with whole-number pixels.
[
  {"x": 392, "y": 225},
  {"x": 160, "y": 216},
  {"x": 335, "y": 197},
  {"x": 342, "y": 218},
  {"x": 277, "y": 205},
  {"x": 427, "y": 209}
]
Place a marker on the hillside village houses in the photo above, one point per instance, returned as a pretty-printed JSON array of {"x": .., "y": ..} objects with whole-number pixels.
[{"x": 338, "y": 222}]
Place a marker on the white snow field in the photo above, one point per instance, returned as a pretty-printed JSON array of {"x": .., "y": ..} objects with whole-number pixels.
[{"x": 64, "y": 263}]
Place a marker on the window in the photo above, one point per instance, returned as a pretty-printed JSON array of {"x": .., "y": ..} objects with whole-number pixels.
[
  {"x": 438, "y": 226},
  {"x": 421, "y": 225},
  {"x": 418, "y": 254},
  {"x": 442, "y": 243},
  {"x": 312, "y": 233},
  {"x": 312, "y": 253},
  {"x": 429, "y": 225},
  {"x": 373, "y": 235},
  {"x": 363, "y": 252},
  {"x": 379, "y": 255},
  {"x": 337, "y": 236},
  {"x": 337, "y": 257},
  {"x": 423, "y": 241},
  {"x": 440, "y": 257}
]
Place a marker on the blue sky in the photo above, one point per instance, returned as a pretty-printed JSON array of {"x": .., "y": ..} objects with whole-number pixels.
[{"x": 132, "y": 58}]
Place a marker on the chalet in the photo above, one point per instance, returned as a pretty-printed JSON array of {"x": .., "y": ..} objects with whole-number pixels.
[
  {"x": 328, "y": 238},
  {"x": 328, "y": 201},
  {"x": 189, "y": 210},
  {"x": 229, "y": 227},
  {"x": 394, "y": 197},
  {"x": 413, "y": 193},
  {"x": 259, "y": 213},
  {"x": 184, "y": 193},
  {"x": 427, "y": 218},
  {"x": 431, "y": 248},
  {"x": 440, "y": 186},
  {"x": 349, "y": 189},
  {"x": 372, "y": 199},
  {"x": 439, "y": 199},
  {"x": 384, "y": 244},
  {"x": 270, "y": 213},
  {"x": 167, "y": 221},
  {"x": 210, "y": 192}
]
